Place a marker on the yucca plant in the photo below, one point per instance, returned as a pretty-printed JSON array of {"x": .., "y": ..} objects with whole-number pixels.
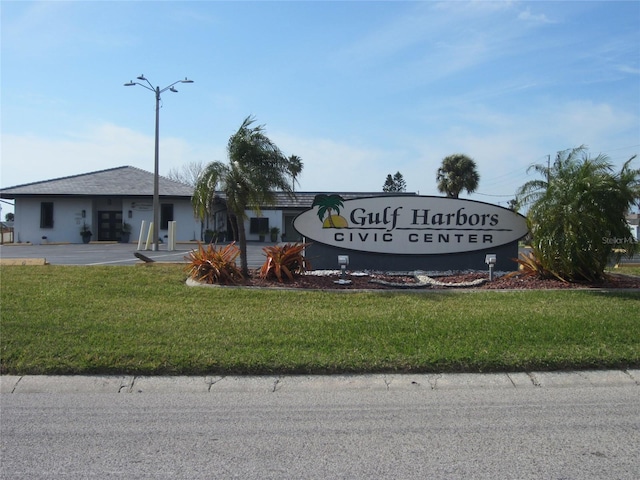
[
  {"x": 215, "y": 264},
  {"x": 530, "y": 266},
  {"x": 284, "y": 261}
]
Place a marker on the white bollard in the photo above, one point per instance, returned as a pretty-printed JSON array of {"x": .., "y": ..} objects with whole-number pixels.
[
  {"x": 172, "y": 236},
  {"x": 149, "y": 236},
  {"x": 141, "y": 236}
]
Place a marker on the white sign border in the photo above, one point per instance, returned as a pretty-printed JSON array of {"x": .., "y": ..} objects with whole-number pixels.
[{"x": 441, "y": 239}]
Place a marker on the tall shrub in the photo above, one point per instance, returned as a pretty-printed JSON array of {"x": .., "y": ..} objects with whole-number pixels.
[{"x": 576, "y": 211}]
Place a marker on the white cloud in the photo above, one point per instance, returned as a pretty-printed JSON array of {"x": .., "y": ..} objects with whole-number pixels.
[
  {"x": 434, "y": 41},
  {"x": 31, "y": 158},
  {"x": 629, "y": 69},
  {"x": 334, "y": 166},
  {"x": 527, "y": 16},
  {"x": 590, "y": 123},
  {"x": 502, "y": 157},
  {"x": 398, "y": 34},
  {"x": 474, "y": 7}
]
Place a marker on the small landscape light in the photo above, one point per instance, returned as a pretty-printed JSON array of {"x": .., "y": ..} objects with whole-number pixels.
[
  {"x": 490, "y": 259},
  {"x": 343, "y": 262}
]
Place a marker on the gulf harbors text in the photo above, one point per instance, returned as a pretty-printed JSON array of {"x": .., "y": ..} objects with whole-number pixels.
[{"x": 389, "y": 218}]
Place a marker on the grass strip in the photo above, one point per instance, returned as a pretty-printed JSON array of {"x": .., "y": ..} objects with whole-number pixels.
[{"x": 146, "y": 321}]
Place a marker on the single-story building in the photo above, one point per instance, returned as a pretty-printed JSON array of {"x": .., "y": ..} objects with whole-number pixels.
[{"x": 55, "y": 211}]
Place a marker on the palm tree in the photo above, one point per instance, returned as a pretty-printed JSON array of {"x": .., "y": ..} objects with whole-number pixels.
[
  {"x": 295, "y": 167},
  {"x": 457, "y": 172},
  {"x": 257, "y": 168},
  {"x": 575, "y": 208}
]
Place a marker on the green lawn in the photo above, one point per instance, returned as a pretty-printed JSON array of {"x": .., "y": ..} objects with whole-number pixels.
[
  {"x": 144, "y": 320},
  {"x": 627, "y": 270}
]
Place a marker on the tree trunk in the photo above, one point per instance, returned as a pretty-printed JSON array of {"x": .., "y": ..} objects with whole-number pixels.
[
  {"x": 233, "y": 221},
  {"x": 242, "y": 240}
]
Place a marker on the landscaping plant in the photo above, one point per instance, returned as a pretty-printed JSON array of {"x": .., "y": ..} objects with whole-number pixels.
[
  {"x": 257, "y": 169},
  {"x": 577, "y": 214},
  {"x": 530, "y": 266},
  {"x": 215, "y": 264},
  {"x": 287, "y": 260}
]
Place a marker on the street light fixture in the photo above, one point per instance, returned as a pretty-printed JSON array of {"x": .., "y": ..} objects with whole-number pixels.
[{"x": 156, "y": 174}]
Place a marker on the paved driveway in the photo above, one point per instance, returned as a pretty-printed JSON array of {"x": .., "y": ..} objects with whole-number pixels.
[{"x": 112, "y": 253}]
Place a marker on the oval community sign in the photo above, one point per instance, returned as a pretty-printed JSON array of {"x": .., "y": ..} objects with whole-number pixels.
[{"x": 409, "y": 225}]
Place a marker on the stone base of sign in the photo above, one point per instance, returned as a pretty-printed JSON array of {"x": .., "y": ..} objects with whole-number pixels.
[{"x": 325, "y": 257}]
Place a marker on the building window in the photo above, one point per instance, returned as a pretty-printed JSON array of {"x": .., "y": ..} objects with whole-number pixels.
[
  {"x": 166, "y": 215},
  {"x": 259, "y": 225},
  {"x": 46, "y": 214}
]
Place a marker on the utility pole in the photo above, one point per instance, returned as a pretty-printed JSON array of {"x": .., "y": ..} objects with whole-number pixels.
[{"x": 548, "y": 169}]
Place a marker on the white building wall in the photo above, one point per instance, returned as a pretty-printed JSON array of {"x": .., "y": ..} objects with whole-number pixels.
[
  {"x": 68, "y": 219},
  {"x": 275, "y": 220},
  {"x": 188, "y": 227},
  {"x": 135, "y": 211}
]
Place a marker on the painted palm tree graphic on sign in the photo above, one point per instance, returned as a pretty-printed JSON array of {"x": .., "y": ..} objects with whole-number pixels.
[{"x": 326, "y": 205}]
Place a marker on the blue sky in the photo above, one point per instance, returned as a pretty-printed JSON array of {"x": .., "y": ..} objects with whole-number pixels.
[{"x": 357, "y": 89}]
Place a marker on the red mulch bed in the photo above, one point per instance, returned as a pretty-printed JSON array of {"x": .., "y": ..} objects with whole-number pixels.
[{"x": 358, "y": 282}]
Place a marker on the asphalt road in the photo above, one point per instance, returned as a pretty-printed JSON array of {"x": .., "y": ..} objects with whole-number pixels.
[{"x": 326, "y": 430}]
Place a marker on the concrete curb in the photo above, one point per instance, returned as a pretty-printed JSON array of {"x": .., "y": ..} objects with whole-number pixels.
[
  {"x": 291, "y": 383},
  {"x": 23, "y": 261}
]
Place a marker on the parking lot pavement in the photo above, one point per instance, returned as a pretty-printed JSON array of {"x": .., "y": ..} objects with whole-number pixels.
[{"x": 111, "y": 253}]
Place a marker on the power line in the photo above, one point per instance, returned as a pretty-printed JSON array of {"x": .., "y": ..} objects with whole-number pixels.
[
  {"x": 491, "y": 195},
  {"x": 622, "y": 148}
]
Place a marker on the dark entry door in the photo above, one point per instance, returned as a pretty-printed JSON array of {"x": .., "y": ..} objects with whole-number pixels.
[{"x": 109, "y": 226}]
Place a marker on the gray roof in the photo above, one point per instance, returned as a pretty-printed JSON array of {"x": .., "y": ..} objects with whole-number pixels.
[
  {"x": 120, "y": 181},
  {"x": 304, "y": 200},
  {"x": 134, "y": 182}
]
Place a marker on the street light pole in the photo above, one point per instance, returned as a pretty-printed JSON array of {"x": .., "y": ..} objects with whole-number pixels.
[
  {"x": 156, "y": 169},
  {"x": 156, "y": 178}
]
